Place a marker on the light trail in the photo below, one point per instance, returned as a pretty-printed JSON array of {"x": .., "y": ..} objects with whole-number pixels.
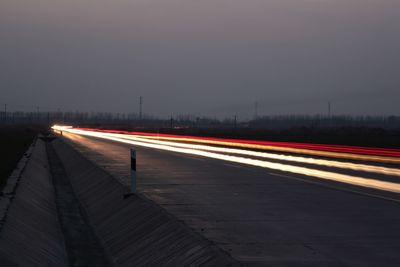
[
  {"x": 354, "y": 180},
  {"x": 320, "y": 162},
  {"x": 333, "y": 151}
]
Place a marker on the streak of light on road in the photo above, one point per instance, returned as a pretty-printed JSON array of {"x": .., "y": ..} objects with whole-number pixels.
[
  {"x": 321, "y": 162},
  {"x": 348, "y": 179},
  {"x": 285, "y": 149},
  {"x": 384, "y": 152}
]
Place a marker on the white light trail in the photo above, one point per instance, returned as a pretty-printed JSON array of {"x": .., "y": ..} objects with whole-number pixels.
[
  {"x": 311, "y": 152},
  {"x": 320, "y": 162},
  {"x": 348, "y": 179}
]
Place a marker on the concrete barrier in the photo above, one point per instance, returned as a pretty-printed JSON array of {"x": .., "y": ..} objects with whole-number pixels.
[
  {"x": 135, "y": 231},
  {"x": 31, "y": 235}
]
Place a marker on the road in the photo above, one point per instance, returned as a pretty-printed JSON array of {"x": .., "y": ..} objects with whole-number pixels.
[{"x": 265, "y": 216}]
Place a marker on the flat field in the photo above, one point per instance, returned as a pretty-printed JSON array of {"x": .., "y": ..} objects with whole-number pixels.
[{"x": 14, "y": 141}]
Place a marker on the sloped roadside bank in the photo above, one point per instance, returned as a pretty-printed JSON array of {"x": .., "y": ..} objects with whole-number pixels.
[
  {"x": 83, "y": 248},
  {"x": 31, "y": 234},
  {"x": 135, "y": 231}
]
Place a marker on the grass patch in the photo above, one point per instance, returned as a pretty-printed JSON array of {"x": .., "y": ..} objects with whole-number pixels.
[{"x": 14, "y": 141}]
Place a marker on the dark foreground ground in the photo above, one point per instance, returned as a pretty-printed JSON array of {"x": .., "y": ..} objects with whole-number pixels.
[
  {"x": 66, "y": 211},
  {"x": 14, "y": 141}
]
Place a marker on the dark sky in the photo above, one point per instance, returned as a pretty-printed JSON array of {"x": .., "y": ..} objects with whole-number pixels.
[{"x": 204, "y": 57}]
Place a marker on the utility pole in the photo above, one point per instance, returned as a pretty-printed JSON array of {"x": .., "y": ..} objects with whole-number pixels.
[
  {"x": 140, "y": 107},
  {"x": 171, "y": 122},
  {"x": 329, "y": 109},
  {"x": 256, "y": 110},
  {"x": 5, "y": 112},
  {"x": 235, "y": 121},
  {"x": 58, "y": 115},
  {"x": 38, "y": 113}
]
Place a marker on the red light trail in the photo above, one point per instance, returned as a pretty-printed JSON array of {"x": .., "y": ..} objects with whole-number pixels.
[
  {"x": 238, "y": 156},
  {"x": 384, "y": 155}
]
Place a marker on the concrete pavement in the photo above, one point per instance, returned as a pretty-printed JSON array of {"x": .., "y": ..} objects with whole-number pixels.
[{"x": 262, "y": 217}]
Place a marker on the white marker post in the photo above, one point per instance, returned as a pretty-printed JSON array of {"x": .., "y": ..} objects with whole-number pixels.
[{"x": 133, "y": 171}]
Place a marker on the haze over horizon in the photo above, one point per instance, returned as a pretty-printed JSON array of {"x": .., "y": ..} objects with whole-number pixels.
[{"x": 212, "y": 58}]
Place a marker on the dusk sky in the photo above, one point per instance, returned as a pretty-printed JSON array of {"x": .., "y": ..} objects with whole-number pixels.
[{"x": 202, "y": 57}]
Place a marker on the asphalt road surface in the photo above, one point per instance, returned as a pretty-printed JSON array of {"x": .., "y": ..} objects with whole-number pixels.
[{"x": 264, "y": 216}]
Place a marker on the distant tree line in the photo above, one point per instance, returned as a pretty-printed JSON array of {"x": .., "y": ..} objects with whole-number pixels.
[
  {"x": 323, "y": 121},
  {"x": 190, "y": 121}
]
